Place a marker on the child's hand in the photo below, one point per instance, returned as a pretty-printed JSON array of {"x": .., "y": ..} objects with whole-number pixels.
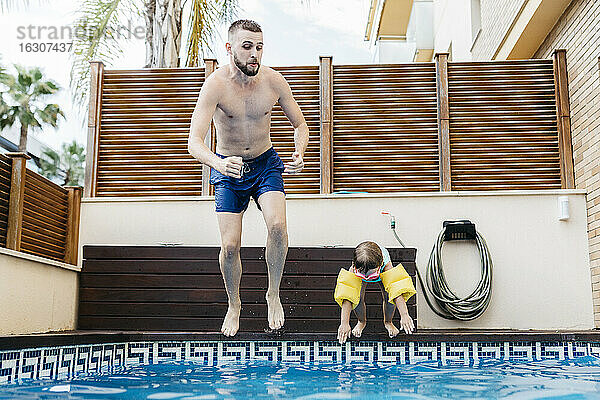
[
  {"x": 407, "y": 324},
  {"x": 344, "y": 333}
]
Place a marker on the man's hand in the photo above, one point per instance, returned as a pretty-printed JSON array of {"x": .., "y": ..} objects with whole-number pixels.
[
  {"x": 407, "y": 324},
  {"x": 343, "y": 333},
  {"x": 231, "y": 166},
  {"x": 296, "y": 165}
]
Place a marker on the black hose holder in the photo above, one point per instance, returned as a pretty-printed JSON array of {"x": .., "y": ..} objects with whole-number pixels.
[{"x": 459, "y": 230}]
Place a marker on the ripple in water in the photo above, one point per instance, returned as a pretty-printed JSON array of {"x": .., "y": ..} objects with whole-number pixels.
[{"x": 570, "y": 380}]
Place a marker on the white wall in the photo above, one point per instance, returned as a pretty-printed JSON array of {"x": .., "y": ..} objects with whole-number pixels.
[
  {"x": 394, "y": 52},
  {"x": 37, "y": 294},
  {"x": 452, "y": 24},
  {"x": 541, "y": 265}
]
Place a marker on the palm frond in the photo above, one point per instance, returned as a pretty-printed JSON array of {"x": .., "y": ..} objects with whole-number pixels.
[
  {"x": 42, "y": 88},
  {"x": 8, "y": 117},
  {"x": 205, "y": 17},
  {"x": 2, "y": 69},
  {"x": 50, "y": 164},
  {"x": 9, "y": 5},
  {"x": 50, "y": 114},
  {"x": 3, "y": 76},
  {"x": 103, "y": 21}
]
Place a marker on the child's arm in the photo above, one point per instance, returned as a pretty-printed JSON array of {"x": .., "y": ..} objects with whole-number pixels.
[
  {"x": 344, "y": 329},
  {"x": 406, "y": 322}
]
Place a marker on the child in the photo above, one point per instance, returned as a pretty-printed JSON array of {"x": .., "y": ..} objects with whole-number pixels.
[{"x": 372, "y": 263}]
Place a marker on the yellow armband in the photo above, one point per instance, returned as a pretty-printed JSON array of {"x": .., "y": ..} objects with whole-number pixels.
[
  {"x": 397, "y": 282},
  {"x": 347, "y": 288}
]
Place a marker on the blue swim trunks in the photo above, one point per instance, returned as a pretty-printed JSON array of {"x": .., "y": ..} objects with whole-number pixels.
[{"x": 259, "y": 175}]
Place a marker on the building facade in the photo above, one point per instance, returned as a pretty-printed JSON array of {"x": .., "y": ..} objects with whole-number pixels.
[
  {"x": 521, "y": 29},
  {"x": 578, "y": 31}
]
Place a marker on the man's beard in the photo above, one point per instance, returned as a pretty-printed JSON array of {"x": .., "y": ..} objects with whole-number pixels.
[{"x": 244, "y": 67}]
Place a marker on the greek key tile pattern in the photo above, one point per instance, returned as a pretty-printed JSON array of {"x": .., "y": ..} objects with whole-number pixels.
[{"x": 69, "y": 361}]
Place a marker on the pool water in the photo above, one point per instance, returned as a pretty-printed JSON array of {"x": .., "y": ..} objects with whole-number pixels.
[{"x": 577, "y": 378}]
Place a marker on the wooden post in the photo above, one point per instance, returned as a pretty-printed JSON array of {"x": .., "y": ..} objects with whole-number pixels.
[
  {"x": 563, "y": 119},
  {"x": 210, "y": 65},
  {"x": 74, "y": 207},
  {"x": 15, "y": 202},
  {"x": 91, "y": 156},
  {"x": 443, "y": 111},
  {"x": 326, "y": 126}
]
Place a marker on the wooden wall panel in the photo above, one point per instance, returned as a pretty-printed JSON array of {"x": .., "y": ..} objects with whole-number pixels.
[
  {"x": 304, "y": 82},
  {"x": 503, "y": 132},
  {"x": 502, "y": 129},
  {"x": 5, "y": 176},
  {"x": 385, "y": 128},
  {"x": 180, "y": 288},
  {"x": 144, "y": 128},
  {"x": 45, "y": 215}
]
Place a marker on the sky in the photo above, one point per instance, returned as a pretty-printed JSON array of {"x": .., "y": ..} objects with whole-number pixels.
[{"x": 296, "y": 32}]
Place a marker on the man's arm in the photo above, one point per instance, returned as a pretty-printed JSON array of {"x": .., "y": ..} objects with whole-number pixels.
[
  {"x": 201, "y": 117},
  {"x": 292, "y": 111}
]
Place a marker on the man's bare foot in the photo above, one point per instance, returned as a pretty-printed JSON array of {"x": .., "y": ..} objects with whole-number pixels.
[
  {"x": 231, "y": 323},
  {"x": 391, "y": 329},
  {"x": 358, "y": 328},
  {"x": 275, "y": 312}
]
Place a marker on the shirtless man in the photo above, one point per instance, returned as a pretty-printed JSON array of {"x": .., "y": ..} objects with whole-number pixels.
[{"x": 240, "y": 97}]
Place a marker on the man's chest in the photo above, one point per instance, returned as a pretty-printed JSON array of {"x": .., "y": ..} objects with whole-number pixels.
[{"x": 247, "y": 104}]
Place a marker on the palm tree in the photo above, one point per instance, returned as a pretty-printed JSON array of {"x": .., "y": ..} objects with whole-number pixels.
[
  {"x": 67, "y": 164},
  {"x": 104, "y": 19},
  {"x": 27, "y": 93},
  {"x": 3, "y": 105}
]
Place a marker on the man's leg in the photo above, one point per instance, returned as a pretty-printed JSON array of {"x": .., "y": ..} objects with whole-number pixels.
[
  {"x": 272, "y": 205},
  {"x": 230, "y": 225}
]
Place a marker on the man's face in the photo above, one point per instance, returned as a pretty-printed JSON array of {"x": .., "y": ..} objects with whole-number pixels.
[{"x": 246, "y": 48}]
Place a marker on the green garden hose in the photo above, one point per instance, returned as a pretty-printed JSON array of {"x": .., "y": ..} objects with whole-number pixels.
[{"x": 449, "y": 305}]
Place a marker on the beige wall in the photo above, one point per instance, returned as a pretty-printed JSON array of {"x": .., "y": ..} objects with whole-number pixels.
[
  {"x": 578, "y": 31},
  {"x": 541, "y": 273},
  {"x": 452, "y": 24},
  {"x": 37, "y": 295},
  {"x": 496, "y": 19}
]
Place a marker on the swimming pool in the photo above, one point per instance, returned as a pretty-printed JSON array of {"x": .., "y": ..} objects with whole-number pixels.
[{"x": 223, "y": 370}]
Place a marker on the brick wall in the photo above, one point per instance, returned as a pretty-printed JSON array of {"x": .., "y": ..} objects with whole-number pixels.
[
  {"x": 578, "y": 31},
  {"x": 496, "y": 18}
]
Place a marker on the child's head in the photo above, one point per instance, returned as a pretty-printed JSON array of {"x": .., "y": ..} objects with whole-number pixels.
[{"x": 367, "y": 256}]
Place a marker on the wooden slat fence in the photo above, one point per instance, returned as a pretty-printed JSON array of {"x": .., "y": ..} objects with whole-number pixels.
[
  {"x": 181, "y": 289},
  {"x": 5, "y": 174},
  {"x": 503, "y": 126},
  {"x": 45, "y": 215},
  {"x": 374, "y": 128},
  {"x": 385, "y": 135},
  {"x": 304, "y": 82},
  {"x": 37, "y": 216},
  {"x": 144, "y": 124}
]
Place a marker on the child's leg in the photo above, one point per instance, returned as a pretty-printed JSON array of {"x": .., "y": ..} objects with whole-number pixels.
[
  {"x": 361, "y": 313},
  {"x": 388, "y": 313}
]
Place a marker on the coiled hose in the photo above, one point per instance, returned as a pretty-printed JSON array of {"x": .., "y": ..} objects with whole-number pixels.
[{"x": 449, "y": 305}]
